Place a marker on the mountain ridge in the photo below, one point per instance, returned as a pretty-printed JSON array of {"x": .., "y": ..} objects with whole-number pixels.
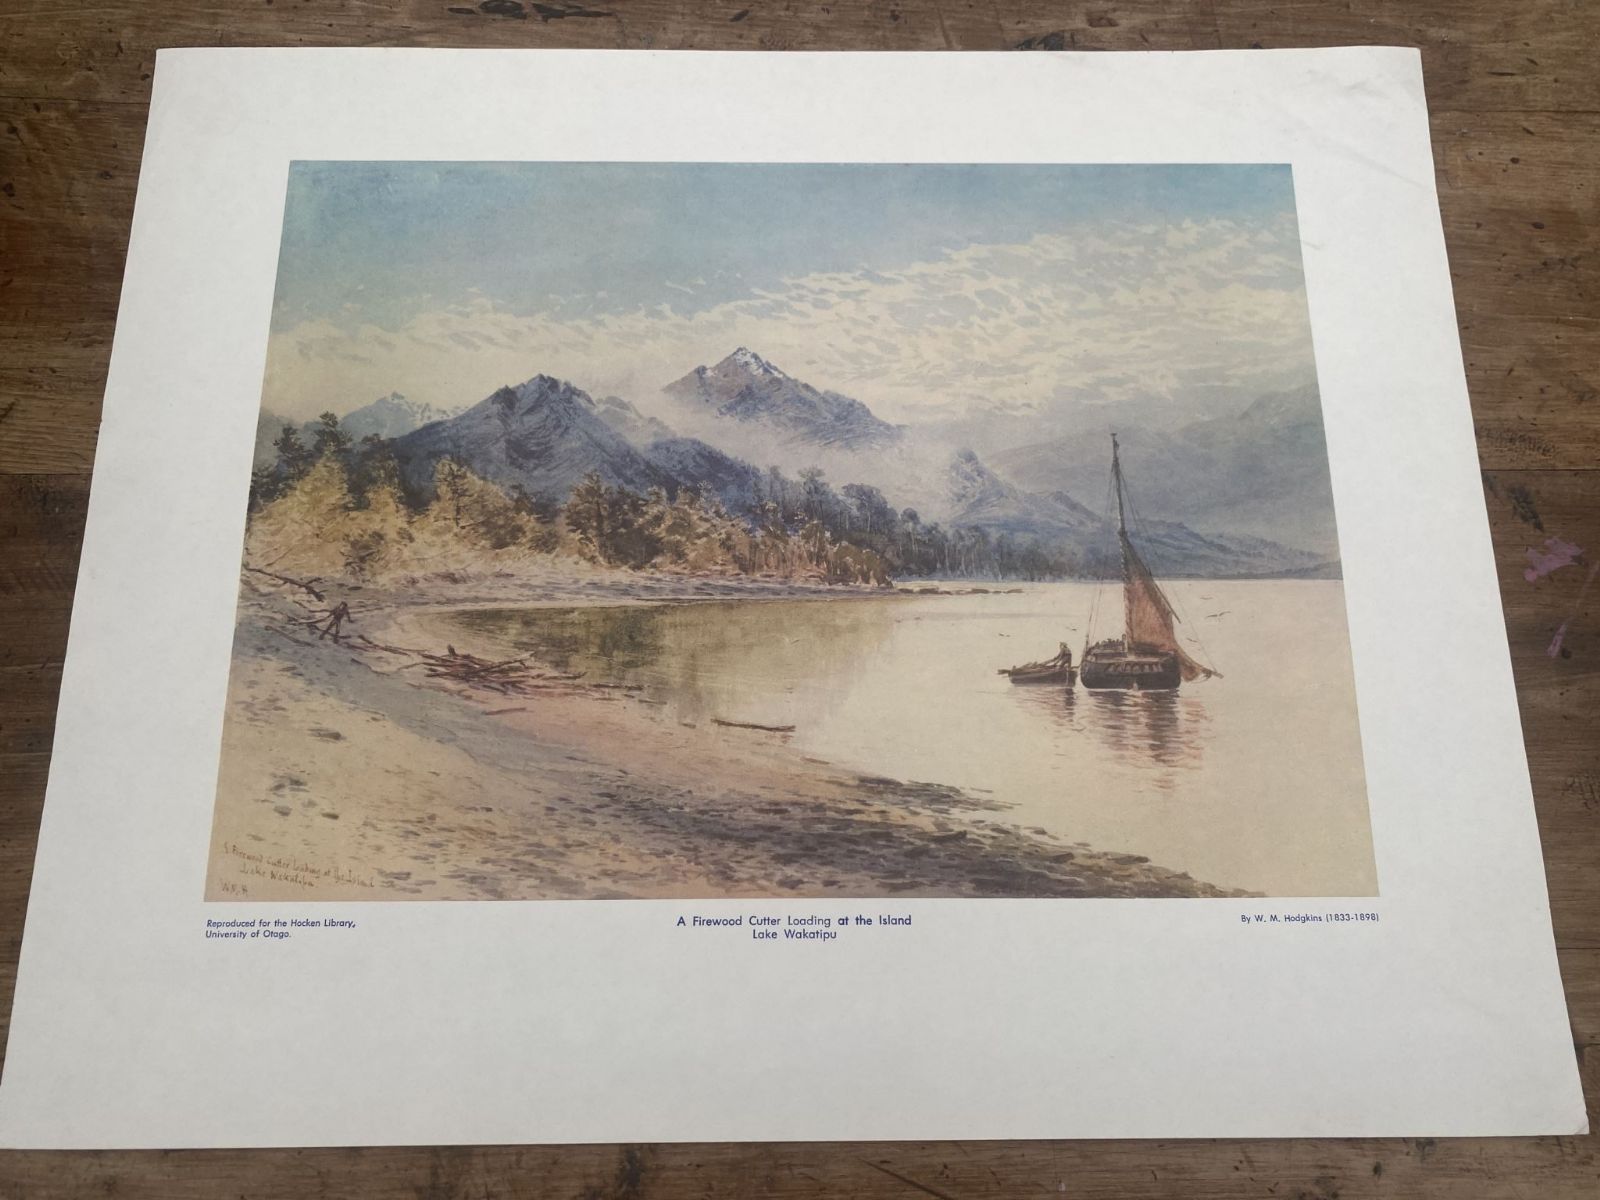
[
  {"x": 746, "y": 388},
  {"x": 390, "y": 416},
  {"x": 1261, "y": 471},
  {"x": 542, "y": 435},
  {"x": 546, "y": 434}
]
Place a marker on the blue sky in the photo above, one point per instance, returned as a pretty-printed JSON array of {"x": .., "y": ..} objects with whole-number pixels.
[
  {"x": 379, "y": 243},
  {"x": 930, "y": 292}
]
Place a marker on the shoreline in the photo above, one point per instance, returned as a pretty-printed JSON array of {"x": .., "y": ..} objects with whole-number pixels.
[{"x": 347, "y": 773}]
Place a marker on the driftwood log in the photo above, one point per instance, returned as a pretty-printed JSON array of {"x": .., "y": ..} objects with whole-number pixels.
[{"x": 753, "y": 725}]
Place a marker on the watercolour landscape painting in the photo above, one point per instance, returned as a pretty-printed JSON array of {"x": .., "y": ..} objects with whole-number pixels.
[{"x": 763, "y": 530}]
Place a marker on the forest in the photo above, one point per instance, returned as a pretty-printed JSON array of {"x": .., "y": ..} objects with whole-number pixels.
[{"x": 338, "y": 504}]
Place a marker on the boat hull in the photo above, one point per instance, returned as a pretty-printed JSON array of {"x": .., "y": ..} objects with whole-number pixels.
[
  {"x": 1125, "y": 671},
  {"x": 1060, "y": 675}
]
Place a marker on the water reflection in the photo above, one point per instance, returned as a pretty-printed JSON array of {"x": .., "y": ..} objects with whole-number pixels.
[
  {"x": 624, "y": 639},
  {"x": 1156, "y": 728},
  {"x": 782, "y": 662},
  {"x": 1254, "y": 782},
  {"x": 776, "y": 662}
]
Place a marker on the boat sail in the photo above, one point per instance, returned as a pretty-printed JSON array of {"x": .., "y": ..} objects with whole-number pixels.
[{"x": 1147, "y": 655}]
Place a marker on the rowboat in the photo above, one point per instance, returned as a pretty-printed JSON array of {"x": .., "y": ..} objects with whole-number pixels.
[{"x": 1052, "y": 670}]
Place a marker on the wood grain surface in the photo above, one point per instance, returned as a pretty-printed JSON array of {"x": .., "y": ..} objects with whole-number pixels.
[{"x": 1515, "y": 99}]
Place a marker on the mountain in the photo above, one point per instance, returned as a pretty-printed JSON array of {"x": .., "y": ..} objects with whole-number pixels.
[
  {"x": 692, "y": 462},
  {"x": 630, "y": 422},
  {"x": 1261, "y": 471},
  {"x": 978, "y": 497},
  {"x": 975, "y": 495},
  {"x": 392, "y": 416},
  {"x": 388, "y": 416},
  {"x": 745, "y": 387},
  {"x": 1171, "y": 548},
  {"x": 543, "y": 435}
]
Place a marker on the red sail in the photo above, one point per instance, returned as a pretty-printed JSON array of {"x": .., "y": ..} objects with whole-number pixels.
[{"x": 1149, "y": 614}]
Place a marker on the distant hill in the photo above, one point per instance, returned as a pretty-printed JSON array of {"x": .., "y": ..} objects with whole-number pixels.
[
  {"x": 630, "y": 422},
  {"x": 693, "y": 463},
  {"x": 392, "y": 416},
  {"x": 746, "y": 388},
  {"x": 388, "y": 416},
  {"x": 543, "y": 435},
  {"x": 975, "y": 495},
  {"x": 980, "y": 498},
  {"x": 1262, "y": 472}
]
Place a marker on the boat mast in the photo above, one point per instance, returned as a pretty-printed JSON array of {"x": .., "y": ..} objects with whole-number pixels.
[
  {"x": 1122, "y": 532},
  {"x": 1122, "y": 520}
]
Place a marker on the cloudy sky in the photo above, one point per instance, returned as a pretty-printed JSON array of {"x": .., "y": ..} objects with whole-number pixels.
[{"x": 930, "y": 292}]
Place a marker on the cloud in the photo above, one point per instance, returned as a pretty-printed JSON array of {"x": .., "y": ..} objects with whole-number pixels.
[{"x": 1104, "y": 313}]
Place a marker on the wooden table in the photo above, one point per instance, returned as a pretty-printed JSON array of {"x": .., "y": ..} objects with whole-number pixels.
[{"x": 1515, "y": 96}]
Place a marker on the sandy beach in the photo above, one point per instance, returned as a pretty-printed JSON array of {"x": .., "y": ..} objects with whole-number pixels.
[{"x": 349, "y": 774}]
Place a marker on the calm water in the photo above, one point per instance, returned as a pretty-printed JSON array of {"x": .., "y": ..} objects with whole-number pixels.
[{"x": 1251, "y": 780}]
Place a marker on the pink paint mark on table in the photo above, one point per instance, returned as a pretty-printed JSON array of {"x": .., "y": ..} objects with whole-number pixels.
[
  {"x": 1554, "y": 650},
  {"x": 1555, "y": 555}
]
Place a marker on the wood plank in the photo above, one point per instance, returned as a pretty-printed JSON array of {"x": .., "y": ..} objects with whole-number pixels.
[
  {"x": 22, "y": 786},
  {"x": 1352, "y": 1169},
  {"x": 41, "y": 531},
  {"x": 66, "y": 191},
  {"x": 1483, "y": 56},
  {"x": 1477, "y": 55},
  {"x": 1519, "y": 192},
  {"x": 108, "y": 52},
  {"x": 1533, "y": 384},
  {"x": 1558, "y": 696},
  {"x": 1525, "y": 296},
  {"x": 1519, "y": 195}
]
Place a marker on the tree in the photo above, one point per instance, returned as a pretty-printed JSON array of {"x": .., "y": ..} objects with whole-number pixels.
[
  {"x": 294, "y": 458},
  {"x": 328, "y": 437},
  {"x": 265, "y": 486},
  {"x": 450, "y": 486},
  {"x": 372, "y": 466},
  {"x": 911, "y": 524},
  {"x": 873, "y": 512},
  {"x": 588, "y": 514},
  {"x": 540, "y": 505},
  {"x": 631, "y": 537},
  {"x": 815, "y": 492}
]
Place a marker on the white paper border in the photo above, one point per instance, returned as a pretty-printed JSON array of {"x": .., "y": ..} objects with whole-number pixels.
[{"x": 507, "y": 1022}]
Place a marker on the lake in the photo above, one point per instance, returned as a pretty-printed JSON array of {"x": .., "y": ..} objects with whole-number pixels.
[{"x": 1250, "y": 780}]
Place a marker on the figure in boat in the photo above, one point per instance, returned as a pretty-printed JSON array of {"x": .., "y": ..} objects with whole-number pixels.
[
  {"x": 1147, "y": 655},
  {"x": 1052, "y": 670}
]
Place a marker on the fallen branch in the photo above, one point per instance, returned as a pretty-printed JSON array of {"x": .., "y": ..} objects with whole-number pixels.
[
  {"x": 286, "y": 635},
  {"x": 489, "y": 668},
  {"x": 306, "y": 585},
  {"x": 366, "y": 641},
  {"x": 753, "y": 725}
]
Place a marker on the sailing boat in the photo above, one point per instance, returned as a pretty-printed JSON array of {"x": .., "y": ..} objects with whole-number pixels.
[{"x": 1147, "y": 655}]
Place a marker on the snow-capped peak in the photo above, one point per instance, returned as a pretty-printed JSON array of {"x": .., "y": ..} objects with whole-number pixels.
[
  {"x": 419, "y": 411},
  {"x": 753, "y": 362},
  {"x": 392, "y": 416}
]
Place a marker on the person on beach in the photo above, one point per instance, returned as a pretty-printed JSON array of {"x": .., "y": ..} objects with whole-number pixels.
[{"x": 336, "y": 619}]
